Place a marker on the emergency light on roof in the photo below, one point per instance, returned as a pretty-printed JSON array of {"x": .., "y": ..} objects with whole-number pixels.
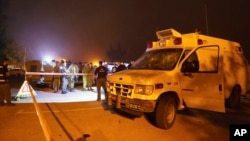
[
  {"x": 165, "y": 34},
  {"x": 177, "y": 41},
  {"x": 149, "y": 44},
  {"x": 200, "y": 41}
]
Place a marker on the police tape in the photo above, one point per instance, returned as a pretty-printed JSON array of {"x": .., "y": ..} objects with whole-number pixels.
[
  {"x": 53, "y": 73},
  {"x": 46, "y": 130}
]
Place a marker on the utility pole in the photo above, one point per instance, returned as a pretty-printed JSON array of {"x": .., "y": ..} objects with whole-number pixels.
[{"x": 205, "y": 8}]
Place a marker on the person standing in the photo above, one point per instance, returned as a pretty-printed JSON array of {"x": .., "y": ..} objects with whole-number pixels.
[
  {"x": 72, "y": 68},
  {"x": 120, "y": 67},
  {"x": 63, "y": 78},
  {"x": 84, "y": 76},
  {"x": 90, "y": 76},
  {"x": 101, "y": 73},
  {"x": 5, "y": 93},
  {"x": 56, "y": 78}
]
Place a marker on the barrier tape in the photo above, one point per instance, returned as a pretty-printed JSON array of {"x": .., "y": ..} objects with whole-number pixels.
[
  {"x": 42, "y": 120},
  {"x": 53, "y": 73}
]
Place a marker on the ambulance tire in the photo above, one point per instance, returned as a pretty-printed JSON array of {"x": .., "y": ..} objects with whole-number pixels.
[
  {"x": 165, "y": 112},
  {"x": 234, "y": 99}
]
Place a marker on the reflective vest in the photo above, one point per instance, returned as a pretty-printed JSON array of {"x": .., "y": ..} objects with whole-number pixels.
[{"x": 2, "y": 75}]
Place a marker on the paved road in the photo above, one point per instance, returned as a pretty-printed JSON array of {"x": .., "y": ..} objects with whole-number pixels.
[{"x": 72, "y": 120}]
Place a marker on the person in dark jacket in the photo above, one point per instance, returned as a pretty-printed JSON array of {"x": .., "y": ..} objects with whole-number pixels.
[
  {"x": 101, "y": 73},
  {"x": 120, "y": 67},
  {"x": 5, "y": 93}
]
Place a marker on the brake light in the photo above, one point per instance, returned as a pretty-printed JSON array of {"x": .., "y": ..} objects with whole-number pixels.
[
  {"x": 177, "y": 41},
  {"x": 149, "y": 44}
]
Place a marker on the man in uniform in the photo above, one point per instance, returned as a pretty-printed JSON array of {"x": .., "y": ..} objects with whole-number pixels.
[
  {"x": 72, "y": 68},
  {"x": 56, "y": 78},
  {"x": 85, "y": 71},
  {"x": 5, "y": 93},
  {"x": 101, "y": 73},
  {"x": 63, "y": 78}
]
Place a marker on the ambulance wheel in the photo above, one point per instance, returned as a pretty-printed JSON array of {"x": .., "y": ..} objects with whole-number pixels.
[
  {"x": 234, "y": 99},
  {"x": 165, "y": 112}
]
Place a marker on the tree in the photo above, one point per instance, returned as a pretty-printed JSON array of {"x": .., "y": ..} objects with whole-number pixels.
[
  {"x": 3, "y": 40},
  {"x": 117, "y": 53},
  {"x": 15, "y": 53},
  {"x": 8, "y": 48}
]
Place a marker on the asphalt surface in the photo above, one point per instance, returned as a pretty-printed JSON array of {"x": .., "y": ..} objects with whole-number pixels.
[{"x": 78, "y": 117}]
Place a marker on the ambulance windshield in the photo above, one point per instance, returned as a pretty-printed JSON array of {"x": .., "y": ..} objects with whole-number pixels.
[{"x": 163, "y": 59}]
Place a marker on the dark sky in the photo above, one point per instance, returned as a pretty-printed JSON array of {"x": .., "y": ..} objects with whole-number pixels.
[{"x": 82, "y": 30}]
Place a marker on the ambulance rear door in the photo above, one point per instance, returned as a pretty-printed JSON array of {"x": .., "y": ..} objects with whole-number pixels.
[{"x": 201, "y": 79}]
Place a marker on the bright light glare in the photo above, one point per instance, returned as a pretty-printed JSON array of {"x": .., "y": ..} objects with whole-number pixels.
[{"x": 47, "y": 58}]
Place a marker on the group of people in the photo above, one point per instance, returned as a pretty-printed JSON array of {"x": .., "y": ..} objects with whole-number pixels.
[
  {"x": 90, "y": 75},
  {"x": 119, "y": 66},
  {"x": 5, "y": 93},
  {"x": 64, "y": 82}
]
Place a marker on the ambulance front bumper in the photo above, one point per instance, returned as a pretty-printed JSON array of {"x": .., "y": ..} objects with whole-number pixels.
[{"x": 139, "y": 105}]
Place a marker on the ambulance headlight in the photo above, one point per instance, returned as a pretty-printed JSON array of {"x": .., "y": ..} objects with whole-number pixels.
[{"x": 144, "y": 89}]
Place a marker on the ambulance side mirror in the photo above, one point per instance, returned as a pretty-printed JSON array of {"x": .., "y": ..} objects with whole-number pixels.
[{"x": 188, "y": 67}]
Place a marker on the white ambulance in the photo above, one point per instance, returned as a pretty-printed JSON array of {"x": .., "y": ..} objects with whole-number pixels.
[{"x": 181, "y": 70}]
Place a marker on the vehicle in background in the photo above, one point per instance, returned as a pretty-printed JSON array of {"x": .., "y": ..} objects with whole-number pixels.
[
  {"x": 39, "y": 66},
  {"x": 17, "y": 72}
]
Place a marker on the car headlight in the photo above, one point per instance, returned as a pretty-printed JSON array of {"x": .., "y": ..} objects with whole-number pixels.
[{"x": 144, "y": 89}]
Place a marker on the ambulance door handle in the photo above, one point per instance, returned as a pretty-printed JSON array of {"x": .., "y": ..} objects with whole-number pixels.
[{"x": 220, "y": 87}]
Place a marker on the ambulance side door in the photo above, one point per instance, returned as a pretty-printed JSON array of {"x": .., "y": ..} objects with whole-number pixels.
[{"x": 201, "y": 79}]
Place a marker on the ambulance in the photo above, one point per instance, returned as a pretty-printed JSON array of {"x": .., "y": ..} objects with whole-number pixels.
[{"x": 181, "y": 71}]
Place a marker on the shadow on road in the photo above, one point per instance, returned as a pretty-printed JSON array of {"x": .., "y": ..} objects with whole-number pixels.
[{"x": 130, "y": 115}]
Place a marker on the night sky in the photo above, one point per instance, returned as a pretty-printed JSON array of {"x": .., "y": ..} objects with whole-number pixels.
[{"x": 82, "y": 30}]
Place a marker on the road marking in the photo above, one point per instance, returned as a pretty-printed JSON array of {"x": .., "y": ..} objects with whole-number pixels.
[{"x": 58, "y": 111}]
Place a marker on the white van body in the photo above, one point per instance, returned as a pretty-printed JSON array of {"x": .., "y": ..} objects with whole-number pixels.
[{"x": 181, "y": 70}]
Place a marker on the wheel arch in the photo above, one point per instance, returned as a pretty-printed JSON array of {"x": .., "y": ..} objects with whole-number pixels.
[
  {"x": 233, "y": 100},
  {"x": 171, "y": 94}
]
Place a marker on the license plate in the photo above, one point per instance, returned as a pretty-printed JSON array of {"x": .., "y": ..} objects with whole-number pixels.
[{"x": 134, "y": 106}]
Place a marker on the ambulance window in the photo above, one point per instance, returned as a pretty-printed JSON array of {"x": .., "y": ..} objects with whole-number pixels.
[
  {"x": 184, "y": 54},
  {"x": 204, "y": 59},
  {"x": 163, "y": 59},
  {"x": 192, "y": 63},
  {"x": 208, "y": 58}
]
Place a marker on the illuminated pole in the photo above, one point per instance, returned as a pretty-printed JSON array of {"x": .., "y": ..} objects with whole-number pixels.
[{"x": 24, "y": 60}]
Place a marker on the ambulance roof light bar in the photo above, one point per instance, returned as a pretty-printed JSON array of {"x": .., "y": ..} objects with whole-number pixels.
[{"x": 167, "y": 33}]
